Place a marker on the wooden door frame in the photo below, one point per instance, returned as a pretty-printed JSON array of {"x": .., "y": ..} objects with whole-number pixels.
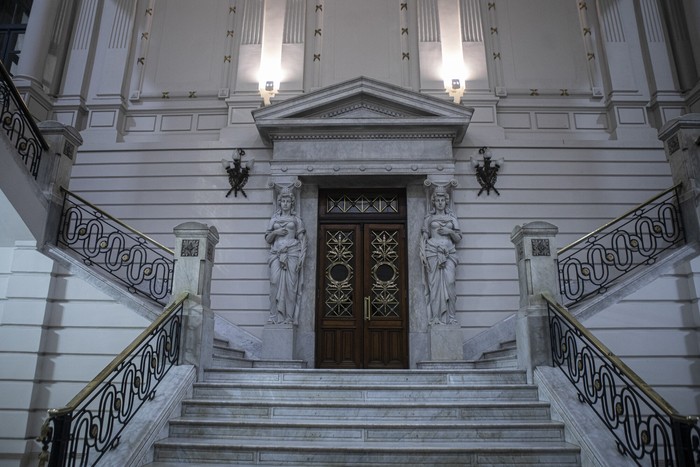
[{"x": 362, "y": 224}]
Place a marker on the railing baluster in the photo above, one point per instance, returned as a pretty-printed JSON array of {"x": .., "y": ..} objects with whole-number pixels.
[
  {"x": 140, "y": 263},
  {"x": 593, "y": 263},
  {"x": 19, "y": 125},
  {"x": 643, "y": 423},
  {"x": 91, "y": 424}
]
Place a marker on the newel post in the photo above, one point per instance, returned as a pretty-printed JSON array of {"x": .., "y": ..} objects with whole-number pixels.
[
  {"x": 681, "y": 138},
  {"x": 536, "y": 256},
  {"x": 194, "y": 262},
  {"x": 55, "y": 169}
]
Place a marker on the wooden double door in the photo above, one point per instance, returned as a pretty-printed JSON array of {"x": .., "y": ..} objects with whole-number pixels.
[{"x": 362, "y": 297}]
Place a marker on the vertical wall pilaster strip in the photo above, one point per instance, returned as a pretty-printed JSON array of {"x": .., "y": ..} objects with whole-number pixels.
[
  {"x": 294, "y": 22},
  {"x": 428, "y": 23},
  {"x": 252, "y": 22},
  {"x": 59, "y": 45},
  {"x": 495, "y": 60},
  {"x": 589, "y": 37},
  {"x": 410, "y": 72},
  {"x": 119, "y": 38},
  {"x": 652, "y": 21},
  {"x": 86, "y": 19},
  {"x": 472, "y": 30},
  {"x": 612, "y": 21},
  {"x": 681, "y": 44},
  {"x": 312, "y": 66},
  {"x": 228, "y": 73},
  {"x": 144, "y": 35}
]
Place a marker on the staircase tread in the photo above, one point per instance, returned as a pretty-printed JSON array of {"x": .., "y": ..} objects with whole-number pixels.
[
  {"x": 339, "y": 385},
  {"x": 374, "y": 403},
  {"x": 383, "y": 422},
  {"x": 411, "y": 373},
  {"x": 481, "y": 445}
]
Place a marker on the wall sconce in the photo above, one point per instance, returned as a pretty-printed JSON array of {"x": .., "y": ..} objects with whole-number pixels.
[
  {"x": 487, "y": 171},
  {"x": 268, "y": 90},
  {"x": 456, "y": 90},
  {"x": 237, "y": 170}
]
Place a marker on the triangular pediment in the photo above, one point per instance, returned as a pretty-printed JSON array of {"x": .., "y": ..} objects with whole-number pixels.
[{"x": 363, "y": 108}]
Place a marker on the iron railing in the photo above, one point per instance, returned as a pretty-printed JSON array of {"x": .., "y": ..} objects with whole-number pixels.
[
  {"x": 19, "y": 125},
  {"x": 646, "y": 427},
  {"x": 591, "y": 264},
  {"x": 83, "y": 431},
  {"x": 143, "y": 265}
]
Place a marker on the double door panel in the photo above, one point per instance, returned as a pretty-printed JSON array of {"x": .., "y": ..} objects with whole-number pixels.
[{"x": 362, "y": 311}]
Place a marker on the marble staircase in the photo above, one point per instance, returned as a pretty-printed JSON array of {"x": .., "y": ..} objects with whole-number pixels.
[{"x": 294, "y": 416}]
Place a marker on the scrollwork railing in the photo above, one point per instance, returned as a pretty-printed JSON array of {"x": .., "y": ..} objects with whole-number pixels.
[
  {"x": 143, "y": 265},
  {"x": 646, "y": 427},
  {"x": 19, "y": 125},
  {"x": 83, "y": 431},
  {"x": 591, "y": 264}
]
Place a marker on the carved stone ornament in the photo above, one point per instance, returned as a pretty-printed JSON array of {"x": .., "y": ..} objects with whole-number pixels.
[
  {"x": 540, "y": 247},
  {"x": 190, "y": 248}
]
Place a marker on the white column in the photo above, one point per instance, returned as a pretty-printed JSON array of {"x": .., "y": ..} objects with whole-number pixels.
[
  {"x": 36, "y": 40},
  {"x": 627, "y": 91}
]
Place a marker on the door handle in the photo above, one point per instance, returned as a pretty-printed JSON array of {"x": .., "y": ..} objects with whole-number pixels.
[{"x": 368, "y": 311}]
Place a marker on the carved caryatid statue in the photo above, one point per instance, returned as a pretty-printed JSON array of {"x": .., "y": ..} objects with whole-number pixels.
[
  {"x": 439, "y": 236},
  {"x": 286, "y": 235}
]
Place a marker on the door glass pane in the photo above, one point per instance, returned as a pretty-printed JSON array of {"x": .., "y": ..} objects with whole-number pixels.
[
  {"x": 384, "y": 267},
  {"x": 339, "y": 273},
  {"x": 362, "y": 204}
]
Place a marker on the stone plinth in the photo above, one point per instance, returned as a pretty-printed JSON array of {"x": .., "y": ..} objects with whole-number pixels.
[
  {"x": 446, "y": 342},
  {"x": 681, "y": 138},
  {"x": 278, "y": 342},
  {"x": 536, "y": 255}
]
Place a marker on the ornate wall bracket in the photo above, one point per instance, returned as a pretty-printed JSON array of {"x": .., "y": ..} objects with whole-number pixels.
[
  {"x": 238, "y": 171},
  {"x": 487, "y": 171}
]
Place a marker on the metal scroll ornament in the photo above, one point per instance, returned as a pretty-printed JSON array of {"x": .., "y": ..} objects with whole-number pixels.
[{"x": 487, "y": 171}]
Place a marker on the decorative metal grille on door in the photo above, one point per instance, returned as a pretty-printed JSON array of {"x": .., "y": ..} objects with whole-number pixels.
[
  {"x": 340, "y": 273},
  {"x": 384, "y": 296}
]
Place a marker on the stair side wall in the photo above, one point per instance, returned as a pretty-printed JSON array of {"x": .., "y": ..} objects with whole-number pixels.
[
  {"x": 49, "y": 344},
  {"x": 655, "y": 331}
]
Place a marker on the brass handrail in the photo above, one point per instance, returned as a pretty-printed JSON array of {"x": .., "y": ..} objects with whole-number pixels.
[
  {"x": 624, "y": 369},
  {"x": 119, "y": 359},
  {"x": 23, "y": 107},
  {"x": 141, "y": 234},
  {"x": 617, "y": 219}
]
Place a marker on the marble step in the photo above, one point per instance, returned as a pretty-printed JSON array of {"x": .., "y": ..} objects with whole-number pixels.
[
  {"x": 498, "y": 354},
  {"x": 226, "y": 351},
  {"x": 493, "y": 363},
  {"x": 493, "y": 411},
  {"x": 375, "y": 430},
  {"x": 328, "y": 453},
  {"x": 228, "y": 362},
  {"x": 356, "y": 377},
  {"x": 363, "y": 393}
]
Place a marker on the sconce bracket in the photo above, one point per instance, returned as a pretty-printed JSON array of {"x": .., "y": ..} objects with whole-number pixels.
[
  {"x": 487, "y": 172},
  {"x": 238, "y": 173}
]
